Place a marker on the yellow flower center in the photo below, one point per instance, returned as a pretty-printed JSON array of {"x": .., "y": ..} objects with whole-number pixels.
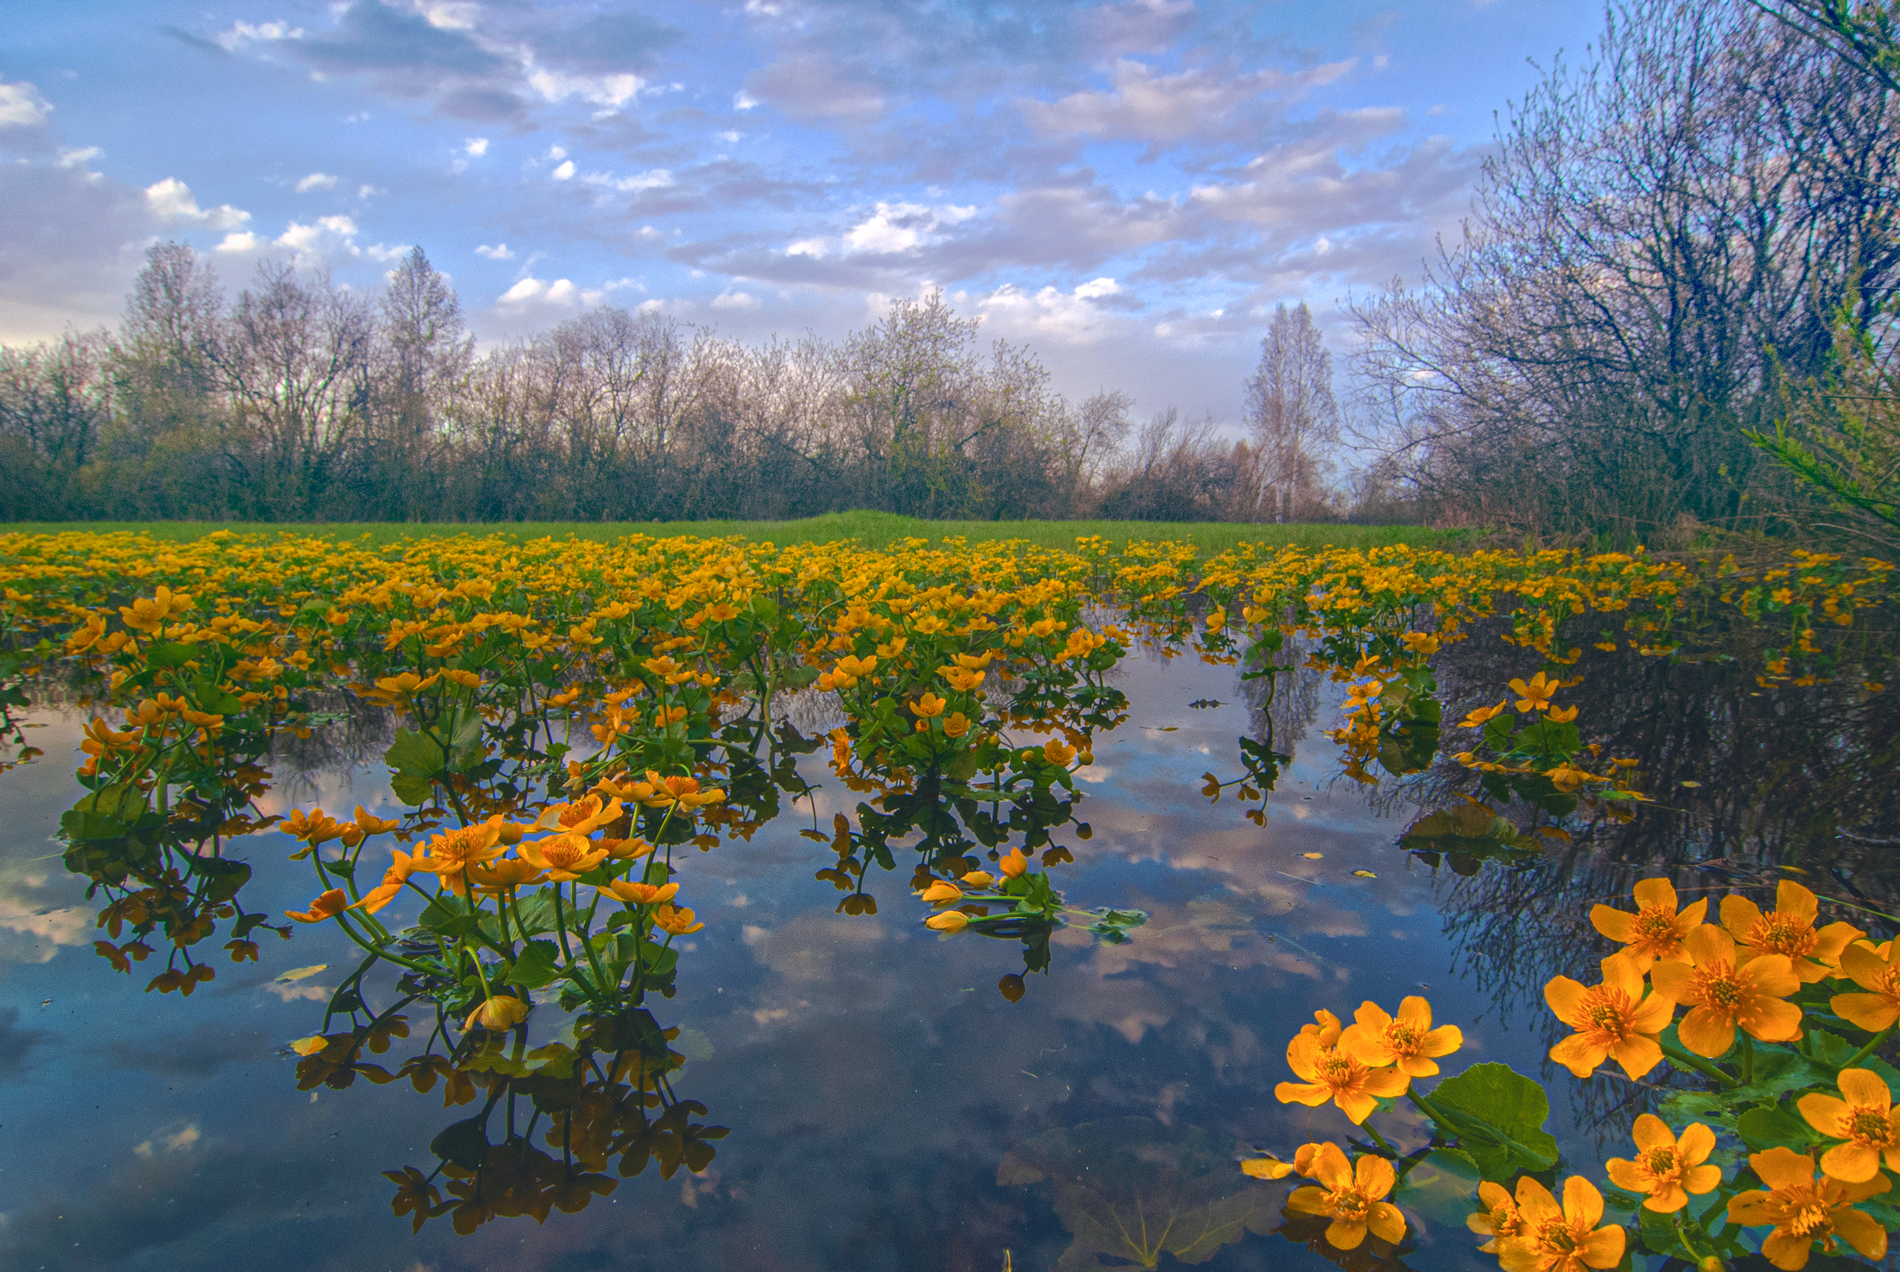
[
  {"x": 1350, "y": 1204},
  {"x": 1808, "y": 1216},
  {"x": 562, "y": 853},
  {"x": 1655, "y": 927},
  {"x": 1336, "y": 1070},
  {"x": 1506, "y": 1221},
  {"x": 1555, "y": 1235},
  {"x": 1721, "y": 990},
  {"x": 1403, "y": 1039},
  {"x": 1660, "y": 1160},
  {"x": 1869, "y": 1125},
  {"x": 1609, "y": 1012},
  {"x": 1780, "y": 935},
  {"x": 1887, "y": 982}
]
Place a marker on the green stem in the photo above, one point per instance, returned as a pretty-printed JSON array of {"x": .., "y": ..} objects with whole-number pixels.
[
  {"x": 1873, "y": 1043},
  {"x": 1379, "y": 1139},
  {"x": 1699, "y": 1065}
]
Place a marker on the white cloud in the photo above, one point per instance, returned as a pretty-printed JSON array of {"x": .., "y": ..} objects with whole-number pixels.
[
  {"x": 557, "y": 152},
  {"x": 561, "y": 291},
  {"x": 499, "y": 252},
  {"x": 171, "y": 200},
  {"x": 21, "y": 105},
  {"x": 1051, "y": 315},
  {"x": 565, "y": 171},
  {"x": 814, "y": 248},
  {"x": 364, "y": 191},
  {"x": 601, "y": 90},
  {"x": 653, "y": 179},
  {"x": 316, "y": 181},
  {"x": 239, "y": 241},
  {"x": 243, "y": 33},
  {"x": 449, "y": 15},
  {"x": 735, "y": 300},
  {"x": 743, "y": 100},
  {"x": 1144, "y": 106},
  {"x": 77, "y": 157},
  {"x": 475, "y": 147},
  {"x": 900, "y": 227},
  {"x": 301, "y": 238}
]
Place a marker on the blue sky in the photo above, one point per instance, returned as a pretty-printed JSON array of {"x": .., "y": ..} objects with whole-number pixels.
[{"x": 1128, "y": 185}]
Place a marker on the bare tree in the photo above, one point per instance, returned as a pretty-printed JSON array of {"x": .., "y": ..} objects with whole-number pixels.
[
  {"x": 1662, "y": 234},
  {"x": 1292, "y": 416}
]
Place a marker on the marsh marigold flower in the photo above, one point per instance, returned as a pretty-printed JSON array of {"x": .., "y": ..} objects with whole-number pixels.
[
  {"x": 327, "y": 906},
  {"x": 1788, "y": 930},
  {"x": 1721, "y": 995},
  {"x": 1876, "y": 970},
  {"x": 1656, "y": 932},
  {"x": 1806, "y": 1208},
  {"x": 1560, "y": 1239},
  {"x": 498, "y": 1014},
  {"x": 1865, "y": 1119},
  {"x": 1535, "y": 693},
  {"x": 1615, "y": 1020},
  {"x": 451, "y": 854},
  {"x": 948, "y": 921},
  {"x": 564, "y": 857},
  {"x": 1351, "y": 1195},
  {"x": 1333, "y": 1073},
  {"x": 1500, "y": 1219},
  {"x": 675, "y": 921},
  {"x": 634, "y": 892},
  {"x": 1408, "y": 1041},
  {"x": 393, "y": 878},
  {"x": 1667, "y": 1169}
]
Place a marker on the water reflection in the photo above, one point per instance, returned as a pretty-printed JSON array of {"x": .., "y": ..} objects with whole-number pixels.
[{"x": 948, "y": 1126}]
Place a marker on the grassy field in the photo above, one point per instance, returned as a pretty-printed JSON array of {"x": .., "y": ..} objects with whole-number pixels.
[{"x": 873, "y": 529}]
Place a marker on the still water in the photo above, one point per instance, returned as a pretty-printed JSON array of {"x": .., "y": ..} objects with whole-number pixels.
[{"x": 888, "y": 1108}]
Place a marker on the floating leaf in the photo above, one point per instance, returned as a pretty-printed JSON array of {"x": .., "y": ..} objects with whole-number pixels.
[
  {"x": 1364, "y": 874},
  {"x": 301, "y": 973},
  {"x": 1312, "y": 856},
  {"x": 1498, "y": 1116}
]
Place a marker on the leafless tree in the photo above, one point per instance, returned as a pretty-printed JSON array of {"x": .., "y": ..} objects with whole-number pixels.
[{"x": 1292, "y": 416}]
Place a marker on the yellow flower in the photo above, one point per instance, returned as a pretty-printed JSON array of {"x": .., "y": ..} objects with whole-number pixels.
[
  {"x": 955, "y": 725},
  {"x": 1057, "y": 752},
  {"x": 1564, "y": 1239},
  {"x": 962, "y": 679},
  {"x": 1268, "y": 1167},
  {"x": 928, "y": 705},
  {"x": 942, "y": 892},
  {"x": 1805, "y": 1208},
  {"x": 1876, "y": 970},
  {"x": 393, "y": 878},
  {"x": 1657, "y": 930},
  {"x": 450, "y": 854},
  {"x": 1014, "y": 864},
  {"x": 979, "y": 878},
  {"x": 327, "y": 906},
  {"x": 1721, "y": 995},
  {"x": 498, "y": 1014},
  {"x": 635, "y": 893},
  {"x": 675, "y": 922},
  {"x": 1535, "y": 693},
  {"x": 1333, "y": 1073},
  {"x": 948, "y": 921},
  {"x": 1613, "y": 1021},
  {"x": 1482, "y": 716},
  {"x": 1788, "y": 930},
  {"x": 1410, "y": 1042},
  {"x": 1562, "y": 715},
  {"x": 1325, "y": 1029},
  {"x": 1865, "y": 1119},
  {"x": 1500, "y": 1219},
  {"x": 583, "y": 817},
  {"x": 503, "y": 874},
  {"x": 564, "y": 857},
  {"x": 1352, "y": 1196},
  {"x": 1668, "y": 1169}
]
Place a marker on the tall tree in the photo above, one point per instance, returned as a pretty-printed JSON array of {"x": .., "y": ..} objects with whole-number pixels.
[{"x": 1292, "y": 415}]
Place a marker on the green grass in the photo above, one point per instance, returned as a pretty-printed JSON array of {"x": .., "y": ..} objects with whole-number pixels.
[{"x": 873, "y": 529}]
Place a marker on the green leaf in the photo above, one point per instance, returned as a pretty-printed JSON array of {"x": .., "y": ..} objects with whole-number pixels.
[
  {"x": 411, "y": 789},
  {"x": 1498, "y": 1116},
  {"x": 1769, "y": 1127},
  {"x": 1441, "y": 1185},
  {"x": 167, "y": 653},
  {"x": 464, "y": 1143},
  {"x": 417, "y": 754},
  {"x": 536, "y": 965},
  {"x": 107, "y": 813}
]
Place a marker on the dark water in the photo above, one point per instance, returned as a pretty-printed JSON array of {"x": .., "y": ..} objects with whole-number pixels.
[{"x": 888, "y": 1108}]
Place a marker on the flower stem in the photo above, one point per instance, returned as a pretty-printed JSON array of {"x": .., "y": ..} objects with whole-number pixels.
[
  {"x": 1872, "y": 1044},
  {"x": 1699, "y": 1065},
  {"x": 1379, "y": 1139}
]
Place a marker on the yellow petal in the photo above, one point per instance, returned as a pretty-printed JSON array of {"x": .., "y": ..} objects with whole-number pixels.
[{"x": 1863, "y": 1086}]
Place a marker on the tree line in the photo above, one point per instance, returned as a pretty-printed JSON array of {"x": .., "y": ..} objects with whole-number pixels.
[{"x": 301, "y": 400}]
